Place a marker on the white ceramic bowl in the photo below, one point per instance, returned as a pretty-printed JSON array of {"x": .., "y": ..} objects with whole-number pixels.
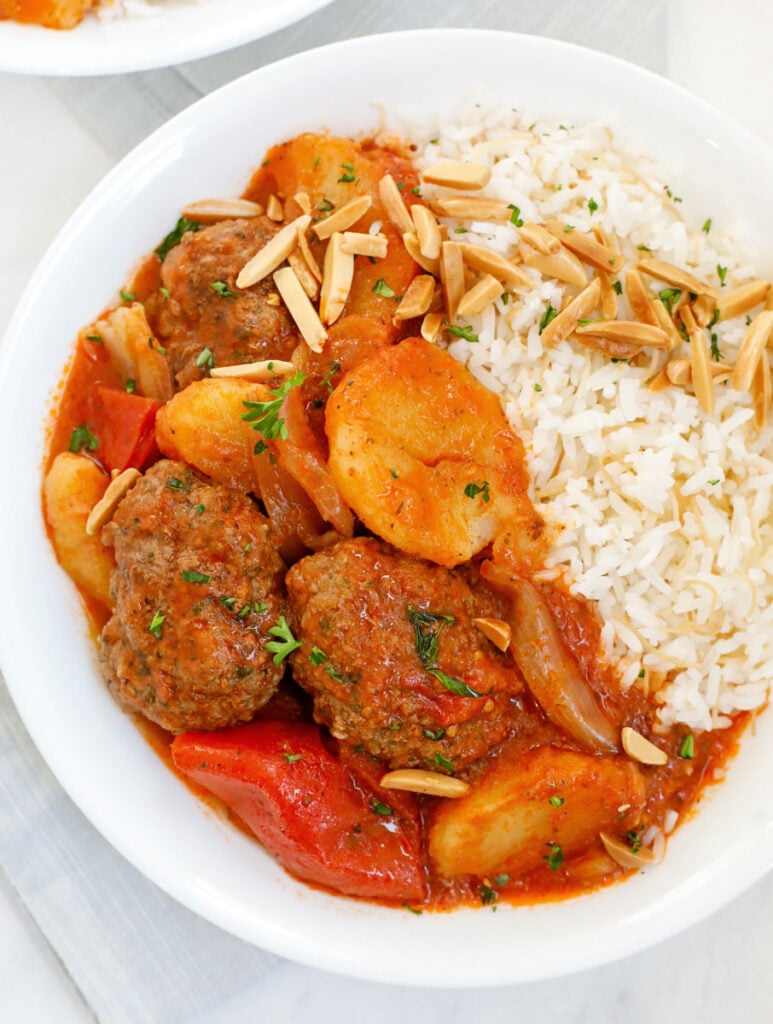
[
  {"x": 170, "y": 32},
  {"x": 98, "y": 756}
]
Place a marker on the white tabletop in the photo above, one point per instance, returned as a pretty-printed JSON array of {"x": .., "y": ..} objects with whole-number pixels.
[{"x": 717, "y": 971}]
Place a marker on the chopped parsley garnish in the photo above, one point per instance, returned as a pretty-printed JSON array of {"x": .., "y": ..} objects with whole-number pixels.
[
  {"x": 292, "y": 758},
  {"x": 317, "y": 656},
  {"x": 82, "y": 437},
  {"x": 549, "y": 314},
  {"x": 714, "y": 482},
  {"x": 555, "y": 858},
  {"x": 260, "y": 447},
  {"x": 427, "y": 627},
  {"x": 378, "y": 808},
  {"x": 174, "y": 483},
  {"x": 175, "y": 236},
  {"x": 96, "y": 338},
  {"x": 515, "y": 216},
  {"x": 748, "y": 320},
  {"x": 715, "y": 353},
  {"x": 333, "y": 367},
  {"x": 285, "y": 643},
  {"x": 501, "y": 880},
  {"x": 460, "y": 231},
  {"x": 568, "y": 228},
  {"x": 592, "y": 206},
  {"x": 487, "y": 895},
  {"x": 382, "y": 288},
  {"x": 152, "y": 343},
  {"x": 634, "y": 838},
  {"x": 198, "y": 509},
  {"x": 416, "y": 190},
  {"x": 260, "y": 606},
  {"x": 229, "y": 602},
  {"x": 706, "y": 226},
  {"x": 462, "y": 332},
  {"x": 556, "y": 801},
  {"x": 394, "y": 474},
  {"x": 325, "y": 207},
  {"x": 442, "y": 762},
  {"x": 127, "y": 296},
  {"x": 156, "y": 623},
  {"x": 193, "y": 576},
  {"x": 538, "y": 387},
  {"x": 721, "y": 274},
  {"x": 505, "y": 298},
  {"x": 222, "y": 289},
  {"x": 265, "y": 417},
  {"x": 164, "y": 292},
  {"x": 205, "y": 360},
  {"x": 455, "y": 686},
  {"x": 348, "y": 174},
  {"x": 618, "y": 287},
  {"x": 243, "y": 612},
  {"x": 687, "y": 747},
  {"x": 400, "y": 186},
  {"x": 669, "y": 297},
  {"x": 436, "y": 734},
  {"x": 130, "y": 386},
  {"x": 478, "y": 487},
  {"x": 715, "y": 318},
  {"x": 643, "y": 248}
]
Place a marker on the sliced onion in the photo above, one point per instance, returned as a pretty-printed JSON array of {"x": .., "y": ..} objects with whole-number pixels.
[{"x": 548, "y": 667}]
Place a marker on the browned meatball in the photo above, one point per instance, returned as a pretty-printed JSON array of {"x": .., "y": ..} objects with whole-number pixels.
[
  {"x": 236, "y": 325},
  {"x": 196, "y": 586},
  {"x": 393, "y": 660}
]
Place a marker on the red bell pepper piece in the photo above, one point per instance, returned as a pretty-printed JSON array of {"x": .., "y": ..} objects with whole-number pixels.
[
  {"x": 125, "y": 426},
  {"x": 321, "y": 818}
]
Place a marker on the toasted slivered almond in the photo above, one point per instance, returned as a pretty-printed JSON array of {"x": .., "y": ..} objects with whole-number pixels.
[
  {"x": 630, "y": 331},
  {"x": 274, "y": 252},
  {"x": 431, "y": 327},
  {"x": 563, "y": 265},
  {"x": 606, "y": 238},
  {"x": 540, "y": 238},
  {"x": 640, "y": 299},
  {"x": 343, "y": 218},
  {"x": 489, "y": 262},
  {"x": 416, "y": 780},
  {"x": 742, "y": 299},
  {"x": 303, "y": 199},
  {"x": 209, "y": 211},
  {"x": 451, "y": 277},
  {"x": 417, "y": 299},
  {"x": 427, "y": 231},
  {"x": 659, "y": 382},
  {"x": 472, "y": 208},
  {"x": 274, "y": 209},
  {"x": 358, "y": 243},
  {"x": 761, "y": 391},
  {"x": 580, "y": 307},
  {"x": 607, "y": 346},
  {"x": 456, "y": 174},
  {"x": 394, "y": 204},
  {"x": 308, "y": 255},
  {"x": 640, "y": 749},
  {"x": 309, "y": 283},
  {"x": 769, "y": 300},
  {"x": 108, "y": 503},
  {"x": 264, "y": 369},
  {"x": 676, "y": 277},
  {"x": 496, "y": 630},
  {"x": 752, "y": 347},
  {"x": 622, "y": 854},
  {"x": 608, "y": 298},
  {"x": 411, "y": 243},
  {"x": 586, "y": 247},
  {"x": 704, "y": 308},
  {"x": 679, "y": 371},
  {"x": 337, "y": 275},
  {"x": 300, "y": 308},
  {"x": 702, "y": 381},
  {"x": 479, "y": 296}
]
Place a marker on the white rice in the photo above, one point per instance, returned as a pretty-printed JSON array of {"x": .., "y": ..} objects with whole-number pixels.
[{"x": 661, "y": 512}]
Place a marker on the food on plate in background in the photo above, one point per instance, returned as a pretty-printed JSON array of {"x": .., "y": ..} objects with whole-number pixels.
[{"x": 404, "y": 469}]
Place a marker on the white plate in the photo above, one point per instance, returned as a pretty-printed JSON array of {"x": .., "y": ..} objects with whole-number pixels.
[
  {"x": 172, "y": 32},
  {"x": 48, "y": 659}
]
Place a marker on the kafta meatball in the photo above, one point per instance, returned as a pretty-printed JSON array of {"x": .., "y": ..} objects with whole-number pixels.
[
  {"x": 196, "y": 586},
  {"x": 393, "y": 660},
  {"x": 205, "y": 309}
]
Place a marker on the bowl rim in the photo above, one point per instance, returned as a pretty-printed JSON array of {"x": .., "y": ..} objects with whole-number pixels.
[{"x": 695, "y": 899}]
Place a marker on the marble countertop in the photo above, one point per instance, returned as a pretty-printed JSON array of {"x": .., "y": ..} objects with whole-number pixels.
[{"x": 717, "y": 970}]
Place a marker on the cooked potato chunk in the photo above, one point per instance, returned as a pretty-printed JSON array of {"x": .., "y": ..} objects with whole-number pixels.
[
  {"x": 203, "y": 426},
  {"x": 529, "y": 805},
  {"x": 73, "y": 486}
]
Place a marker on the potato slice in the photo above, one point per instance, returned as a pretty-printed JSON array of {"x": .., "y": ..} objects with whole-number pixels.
[
  {"x": 73, "y": 486},
  {"x": 517, "y": 815},
  {"x": 203, "y": 426}
]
